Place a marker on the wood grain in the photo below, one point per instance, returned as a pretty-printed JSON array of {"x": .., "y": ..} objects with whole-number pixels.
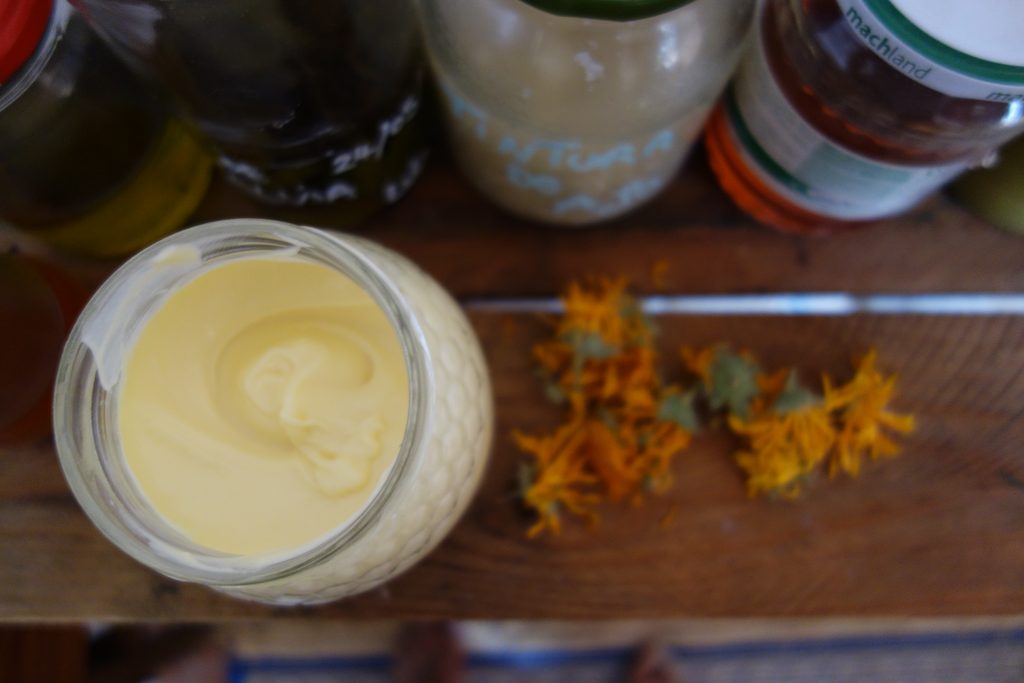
[
  {"x": 51, "y": 654},
  {"x": 477, "y": 250},
  {"x": 937, "y": 531}
]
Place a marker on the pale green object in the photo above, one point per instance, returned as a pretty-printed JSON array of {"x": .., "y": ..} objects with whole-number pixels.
[{"x": 997, "y": 194}]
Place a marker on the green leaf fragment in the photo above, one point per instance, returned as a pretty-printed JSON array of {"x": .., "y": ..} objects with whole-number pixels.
[
  {"x": 794, "y": 396},
  {"x": 733, "y": 383},
  {"x": 630, "y": 309},
  {"x": 525, "y": 476},
  {"x": 607, "y": 419},
  {"x": 587, "y": 345},
  {"x": 648, "y": 323},
  {"x": 553, "y": 392},
  {"x": 679, "y": 409}
]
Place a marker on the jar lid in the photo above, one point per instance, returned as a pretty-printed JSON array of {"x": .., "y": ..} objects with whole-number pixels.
[
  {"x": 990, "y": 30},
  {"x": 615, "y": 10},
  {"x": 22, "y": 25},
  {"x": 958, "y": 47}
]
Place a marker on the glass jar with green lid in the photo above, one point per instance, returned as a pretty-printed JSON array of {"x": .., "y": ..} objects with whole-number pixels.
[{"x": 577, "y": 111}]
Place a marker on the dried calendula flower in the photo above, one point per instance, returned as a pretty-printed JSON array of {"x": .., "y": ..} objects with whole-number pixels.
[
  {"x": 864, "y": 418},
  {"x": 789, "y": 435},
  {"x": 557, "y": 477},
  {"x": 793, "y": 431},
  {"x": 623, "y": 428},
  {"x": 601, "y": 344}
]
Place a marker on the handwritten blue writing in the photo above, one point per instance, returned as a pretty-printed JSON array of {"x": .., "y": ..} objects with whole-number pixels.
[
  {"x": 633, "y": 192},
  {"x": 520, "y": 177},
  {"x": 461, "y": 108},
  {"x": 661, "y": 142},
  {"x": 620, "y": 154}
]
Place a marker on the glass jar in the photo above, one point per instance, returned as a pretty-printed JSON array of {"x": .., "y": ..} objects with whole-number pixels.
[
  {"x": 846, "y": 111},
  {"x": 308, "y": 102},
  {"x": 432, "y": 480},
  {"x": 90, "y": 159},
  {"x": 577, "y": 119},
  {"x": 995, "y": 193}
]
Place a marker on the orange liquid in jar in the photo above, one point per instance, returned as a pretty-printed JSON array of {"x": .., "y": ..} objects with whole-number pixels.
[{"x": 850, "y": 95}]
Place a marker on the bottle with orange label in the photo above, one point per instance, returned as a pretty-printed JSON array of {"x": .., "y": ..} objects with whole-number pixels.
[{"x": 846, "y": 111}]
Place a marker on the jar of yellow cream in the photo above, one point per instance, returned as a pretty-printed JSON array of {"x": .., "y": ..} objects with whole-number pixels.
[{"x": 283, "y": 414}]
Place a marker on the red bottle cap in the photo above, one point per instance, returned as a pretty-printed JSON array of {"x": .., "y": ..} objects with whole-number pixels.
[{"x": 22, "y": 25}]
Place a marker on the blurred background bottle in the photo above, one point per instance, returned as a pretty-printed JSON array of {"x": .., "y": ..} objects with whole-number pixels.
[
  {"x": 844, "y": 111},
  {"x": 308, "y": 102},
  {"x": 38, "y": 306},
  {"x": 91, "y": 160}
]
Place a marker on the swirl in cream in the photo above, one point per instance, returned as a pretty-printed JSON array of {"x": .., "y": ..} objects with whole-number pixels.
[{"x": 261, "y": 404}]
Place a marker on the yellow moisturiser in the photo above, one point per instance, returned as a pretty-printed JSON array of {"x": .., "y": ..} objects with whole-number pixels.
[{"x": 262, "y": 403}]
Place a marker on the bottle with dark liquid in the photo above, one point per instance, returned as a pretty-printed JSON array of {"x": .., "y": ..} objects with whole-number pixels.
[
  {"x": 845, "y": 111},
  {"x": 91, "y": 159},
  {"x": 308, "y": 102}
]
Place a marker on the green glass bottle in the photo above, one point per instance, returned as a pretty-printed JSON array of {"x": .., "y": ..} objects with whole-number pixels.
[{"x": 308, "y": 102}]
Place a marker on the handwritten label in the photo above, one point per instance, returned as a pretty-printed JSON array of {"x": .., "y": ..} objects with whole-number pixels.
[
  {"x": 257, "y": 182},
  {"x": 345, "y": 160},
  {"x": 570, "y": 176},
  {"x": 395, "y": 189}
]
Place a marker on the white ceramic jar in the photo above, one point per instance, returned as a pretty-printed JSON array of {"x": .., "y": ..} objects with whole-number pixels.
[
  {"x": 417, "y": 500},
  {"x": 577, "y": 111}
]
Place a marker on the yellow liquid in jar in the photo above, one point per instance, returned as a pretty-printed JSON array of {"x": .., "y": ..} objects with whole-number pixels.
[{"x": 154, "y": 202}]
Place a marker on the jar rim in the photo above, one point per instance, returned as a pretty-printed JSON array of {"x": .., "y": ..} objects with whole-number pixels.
[
  {"x": 82, "y": 404},
  {"x": 32, "y": 67},
  {"x": 612, "y": 10}
]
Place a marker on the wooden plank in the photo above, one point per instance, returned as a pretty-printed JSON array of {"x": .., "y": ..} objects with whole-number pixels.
[
  {"x": 44, "y": 653},
  {"x": 938, "y": 531},
  {"x": 476, "y": 250}
]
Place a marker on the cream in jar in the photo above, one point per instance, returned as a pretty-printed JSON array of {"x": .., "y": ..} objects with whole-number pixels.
[
  {"x": 280, "y": 413},
  {"x": 261, "y": 403}
]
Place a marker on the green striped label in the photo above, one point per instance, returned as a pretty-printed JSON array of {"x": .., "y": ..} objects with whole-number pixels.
[
  {"x": 899, "y": 42},
  {"x": 805, "y": 167}
]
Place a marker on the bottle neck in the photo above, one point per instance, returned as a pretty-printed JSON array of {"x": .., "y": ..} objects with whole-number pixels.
[{"x": 22, "y": 24}]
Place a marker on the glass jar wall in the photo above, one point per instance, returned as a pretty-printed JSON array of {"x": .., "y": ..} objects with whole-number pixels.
[
  {"x": 418, "y": 499},
  {"x": 577, "y": 119}
]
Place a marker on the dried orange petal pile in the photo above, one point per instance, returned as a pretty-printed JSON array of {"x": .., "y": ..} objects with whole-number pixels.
[{"x": 624, "y": 426}]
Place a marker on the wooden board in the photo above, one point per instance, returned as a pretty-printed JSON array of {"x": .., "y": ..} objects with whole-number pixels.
[
  {"x": 476, "y": 250},
  {"x": 938, "y": 531}
]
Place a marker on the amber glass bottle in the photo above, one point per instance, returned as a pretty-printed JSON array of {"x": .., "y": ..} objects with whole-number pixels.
[{"x": 845, "y": 111}]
